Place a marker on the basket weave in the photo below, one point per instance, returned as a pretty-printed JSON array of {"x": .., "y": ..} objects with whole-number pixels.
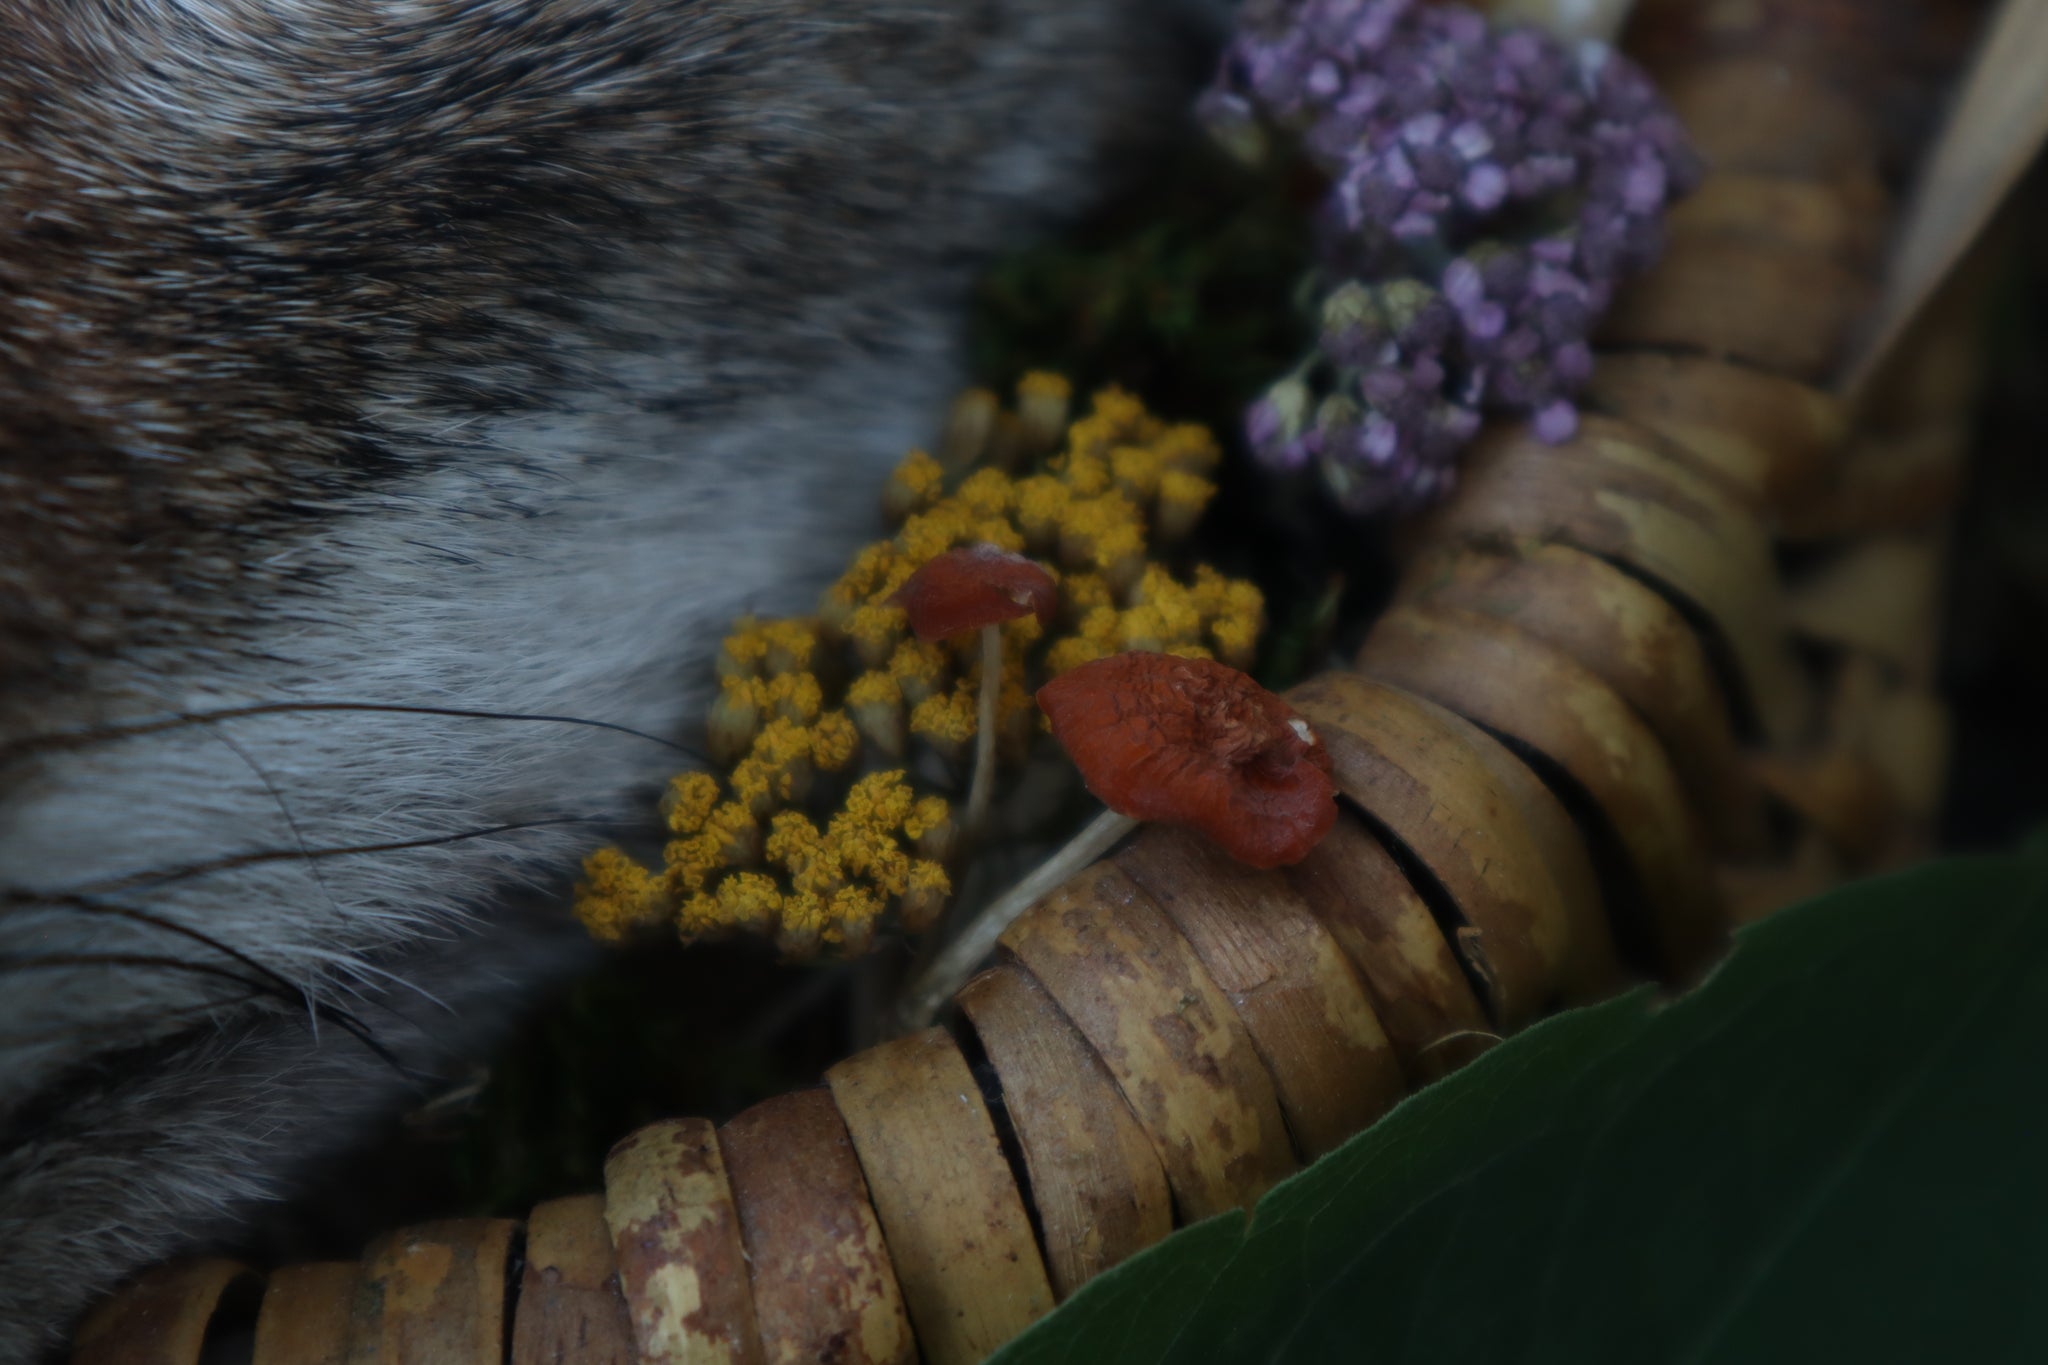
[{"x": 1598, "y": 727}]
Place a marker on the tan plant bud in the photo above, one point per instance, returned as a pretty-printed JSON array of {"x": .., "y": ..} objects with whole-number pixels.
[
  {"x": 968, "y": 426},
  {"x": 732, "y": 722}
]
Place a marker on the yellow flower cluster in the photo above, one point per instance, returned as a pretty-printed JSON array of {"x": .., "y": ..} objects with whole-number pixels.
[
  {"x": 885, "y": 847},
  {"x": 1123, "y": 483},
  {"x": 1213, "y": 618},
  {"x": 802, "y": 701},
  {"x": 739, "y": 855}
]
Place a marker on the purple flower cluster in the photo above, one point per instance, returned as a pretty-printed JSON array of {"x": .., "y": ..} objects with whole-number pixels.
[{"x": 1488, "y": 189}]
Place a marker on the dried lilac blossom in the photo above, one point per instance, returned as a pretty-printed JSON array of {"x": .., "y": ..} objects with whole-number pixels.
[{"x": 1489, "y": 187}]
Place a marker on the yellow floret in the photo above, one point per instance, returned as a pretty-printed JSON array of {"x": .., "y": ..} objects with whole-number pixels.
[
  {"x": 1189, "y": 446},
  {"x": 803, "y": 912},
  {"x": 1101, "y": 626},
  {"x": 927, "y": 814},
  {"x": 814, "y": 864},
  {"x": 1120, "y": 411},
  {"x": 1043, "y": 384},
  {"x": 616, "y": 895},
  {"x": 777, "y": 769},
  {"x": 1158, "y": 628},
  {"x": 738, "y": 833},
  {"x": 915, "y": 485},
  {"x": 1072, "y": 652},
  {"x": 834, "y": 742},
  {"x": 749, "y": 900},
  {"x": 1182, "y": 499},
  {"x": 1236, "y": 636},
  {"x": 1236, "y": 627},
  {"x": 1041, "y": 503},
  {"x": 1085, "y": 473},
  {"x": 879, "y": 802},
  {"x": 688, "y": 801},
  {"x": 851, "y": 907},
  {"x": 793, "y": 841},
  {"x": 1019, "y": 634},
  {"x": 986, "y": 494},
  {"x": 1181, "y": 487},
  {"x": 874, "y": 688},
  {"x": 1042, "y": 402},
  {"x": 1165, "y": 613},
  {"x": 1106, "y": 534},
  {"x": 1211, "y": 591},
  {"x": 1081, "y": 593},
  {"x": 874, "y": 630},
  {"x": 946, "y": 719},
  {"x": 869, "y": 568},
  {"x": 931, "y": 830},
  {"x": 733, "y": 720},
  {"x": 905, "y": 566},
  {"x": 825, "y": 875},
  {"x": 790, "y": 643},
  {"x": 1119, "y": 550},
  {"x": 1137, "y": 470},
  {"x": 697, "y": 916},
  {"x": 924, "y": 894},
  {"x": 875, "y": 703},
  {"x": 968, "y": 425},
  {"x": 687, "y": 864},
  {"x": 919, "y": 669},
  {"x": 742, "y": 652},
  {"x": 926, "y": 875},
  {"x": 932, "y": 533},
  {"x": 995, "y": 531},
  {"x": 866, "y": 851},
  {"x": 791, "y": 696}
]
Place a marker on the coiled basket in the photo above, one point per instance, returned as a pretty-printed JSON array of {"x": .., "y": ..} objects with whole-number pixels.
[{"x": 1601, "y": 724}]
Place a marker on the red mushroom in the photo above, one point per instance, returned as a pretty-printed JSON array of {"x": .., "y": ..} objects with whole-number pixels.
[
  {"x": 978, "y": 587},
  {"x": 1194, "y": 742},
  {"x": 1187, "y": 741},
  {"x": 973, "y": 588}
]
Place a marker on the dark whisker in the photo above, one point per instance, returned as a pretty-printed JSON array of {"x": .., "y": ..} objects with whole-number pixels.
[
  {"x": 340, "y": 1018},
  {"x": 29, "y": 962},
  {"x": 281, "y": 985},
  {"x": 31, "y": 1037},
  {"x": 275, "y": 983},
  {"x": 72, "y": 739},
  {"x": 291, "y": 823},
  {"x": 145, "y": 880}
]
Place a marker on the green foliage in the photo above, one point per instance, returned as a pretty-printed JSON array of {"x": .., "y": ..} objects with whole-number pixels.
[
  {"x": 1183, "y": 291},
  {"x": 1830, "y": 1151},
  {"x": 1179, "y": 291}
]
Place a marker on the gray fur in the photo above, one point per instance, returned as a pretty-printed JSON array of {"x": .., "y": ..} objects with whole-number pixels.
[{"x": 484, "y": 355}]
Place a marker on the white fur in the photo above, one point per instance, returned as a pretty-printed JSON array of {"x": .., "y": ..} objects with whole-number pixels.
[{"x": 582, "y": 566}]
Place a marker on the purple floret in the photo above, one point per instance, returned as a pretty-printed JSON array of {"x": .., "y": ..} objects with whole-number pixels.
[{"x": 1489, "y": 189}]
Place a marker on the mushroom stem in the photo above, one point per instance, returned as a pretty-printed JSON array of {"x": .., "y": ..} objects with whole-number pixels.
[
  {"x": 983, "y": 784},
  {"x": 949, "y": 971}
]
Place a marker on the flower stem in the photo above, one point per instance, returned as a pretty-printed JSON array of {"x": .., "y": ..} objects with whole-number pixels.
[
  {"x": 983, "y": 784},
  {"x": 949, "y": 971}
]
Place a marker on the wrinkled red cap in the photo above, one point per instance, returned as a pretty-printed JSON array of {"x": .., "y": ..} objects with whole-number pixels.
[
  {"x": 972, "y": 587},
  {"x": 1193, "y": 742}
]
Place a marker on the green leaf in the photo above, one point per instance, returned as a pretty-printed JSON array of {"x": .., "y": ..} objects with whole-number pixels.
[{"x": 1836, "y": 1149}]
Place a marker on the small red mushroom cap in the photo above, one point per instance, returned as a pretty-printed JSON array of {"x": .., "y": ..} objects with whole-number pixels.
[
  {"x": 1194, "y": 742},
  {"x": 972, "y": 587}
]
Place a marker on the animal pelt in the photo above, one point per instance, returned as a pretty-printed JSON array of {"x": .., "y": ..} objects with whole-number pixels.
[{"x": 386, "y": 386}]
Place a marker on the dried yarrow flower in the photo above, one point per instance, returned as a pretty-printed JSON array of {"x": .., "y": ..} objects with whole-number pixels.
[{"x": 819, "y": 822}]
